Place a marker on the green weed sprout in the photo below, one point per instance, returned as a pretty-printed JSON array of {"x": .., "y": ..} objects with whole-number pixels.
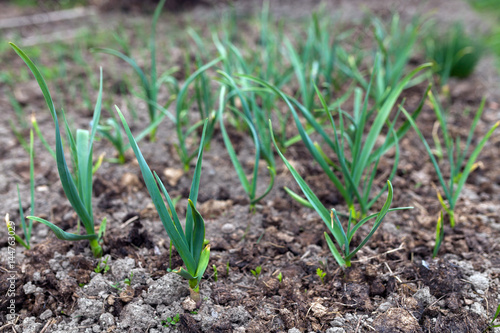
[
  {"x": 216, "y": 273},
  {"x": 492, "y": 325},
  {"x": 280, "y": 277},
  {"x": 128, "y": 280},
  {"x": 454, "y": 54},
  {"x": 439, "y": 235},
  {"x": 27, "y": 228},
  {"x": 78, "y": 190},
  {"x": 152, "y": 84},
  {"x": 256, "y": 272},
  {"x": 321, "y": 275},
  {"x": 357, "y": 135},
  {"x": 342, "y": 237},
  {"x": 189, "y": 243},
  {"x": 460, "y": 168},
  {"x": 171, "y": 321},
  {"x": 102, "y": 266}
]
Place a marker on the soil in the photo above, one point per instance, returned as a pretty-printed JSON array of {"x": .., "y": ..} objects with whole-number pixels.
[{"x": 394, "y": 285}]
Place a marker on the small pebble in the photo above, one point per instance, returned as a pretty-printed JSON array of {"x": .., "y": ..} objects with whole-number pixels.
[
  {"x": 480, "y": 282},
  {"x": 384, "y": 307},
  {"x": 228, "y": 228},
  {"x": 189, "y": 304},
  {"x": 46, "y": 314}
]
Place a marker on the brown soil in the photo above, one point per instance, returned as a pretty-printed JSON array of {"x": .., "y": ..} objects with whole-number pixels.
[{"x": 393, "y": 286}]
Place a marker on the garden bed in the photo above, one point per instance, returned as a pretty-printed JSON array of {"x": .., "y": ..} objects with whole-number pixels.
[{"x": 393, "y": 285}]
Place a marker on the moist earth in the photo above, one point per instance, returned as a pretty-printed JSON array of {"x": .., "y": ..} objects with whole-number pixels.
[{"x": 394, "y": 285}]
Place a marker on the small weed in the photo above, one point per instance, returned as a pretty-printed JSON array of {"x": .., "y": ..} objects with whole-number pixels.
[
  {"x": 102, "y": 266},
  {"x": 171, "y": 321},
  {"x": 280, "y": 277},
  {"x": 256, "y": 272},
  {"x": 216, "y": 274},
  {"x": 491, "y": 325},
  {"x": 116, "y": 286},
  {"x": 321, "y": 274},
  {"x": 439, "y": 235},
  {"x": 128, "y": 280}
]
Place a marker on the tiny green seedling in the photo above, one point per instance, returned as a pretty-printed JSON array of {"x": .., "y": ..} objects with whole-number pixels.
[
  {"x": 216, "y": 274},
  {"x": 116, "y": 286},
  {"x": 439, "y": 235},
  {"x": 256, "y": 272},
  {"x": 321, "y": 275},
  {"x": 492, "y": 323},
  {"x": 128, "y": 280},
  {"x": 280, "y": 277},
  {"x": 102, "y": 266},
  {"x": 227, "y": 268},
  {"x": 171, "y": 321}
]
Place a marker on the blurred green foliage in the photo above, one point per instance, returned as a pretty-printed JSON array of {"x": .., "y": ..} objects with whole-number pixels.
[{"x": 454, "y": 53}]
